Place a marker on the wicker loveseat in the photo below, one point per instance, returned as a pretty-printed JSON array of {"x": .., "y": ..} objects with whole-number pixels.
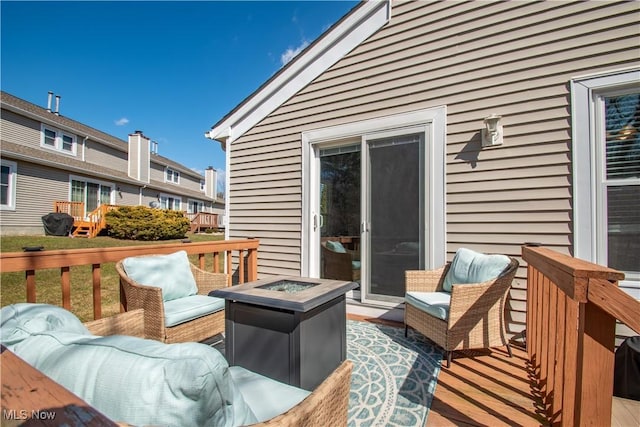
[
  {"x": 137, "y": 381},
  {"x": 456, "y": 310},
  {"x": 174, "y": 295}
]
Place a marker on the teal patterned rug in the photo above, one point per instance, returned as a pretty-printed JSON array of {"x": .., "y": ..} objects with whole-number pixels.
[{"x": 393, "y": 377}]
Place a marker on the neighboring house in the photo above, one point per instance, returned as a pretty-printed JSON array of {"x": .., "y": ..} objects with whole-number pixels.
[
  {"x": 397, "y": 93},
  {"x": 47, "y": 158}
]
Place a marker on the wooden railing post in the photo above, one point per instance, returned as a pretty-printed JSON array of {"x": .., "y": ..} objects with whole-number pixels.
[{"x": 572, "y": 309}]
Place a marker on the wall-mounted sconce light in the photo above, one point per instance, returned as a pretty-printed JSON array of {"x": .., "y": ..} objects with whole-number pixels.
[
  {"x": 492, "y": 133},
  {"x": 119, "y": 190}
]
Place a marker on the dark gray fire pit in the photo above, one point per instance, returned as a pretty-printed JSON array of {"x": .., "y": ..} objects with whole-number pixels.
[{"x": 291, "y": 329}]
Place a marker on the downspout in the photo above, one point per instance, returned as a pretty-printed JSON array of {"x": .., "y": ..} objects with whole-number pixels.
[
  {"x": 140, "y": 195},
  {"x": 84, "y": 146}
]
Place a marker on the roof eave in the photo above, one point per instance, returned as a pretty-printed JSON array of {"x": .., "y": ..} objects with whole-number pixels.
[{"x": 362, "y": 22}]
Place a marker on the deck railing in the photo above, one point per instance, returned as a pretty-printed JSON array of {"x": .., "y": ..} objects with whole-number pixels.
[
  {"x": 245, "y": 252},
  {"x": 202, "y": 220},
  {"x": 75, "y": 209},
  {"x": 572, "y": 308}
]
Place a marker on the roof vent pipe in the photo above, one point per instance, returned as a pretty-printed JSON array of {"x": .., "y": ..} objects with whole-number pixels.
[
  {"x": 49, "y": 101},
  {"x": 57, "y": 113}
]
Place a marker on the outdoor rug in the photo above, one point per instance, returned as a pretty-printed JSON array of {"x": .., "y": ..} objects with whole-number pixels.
[{"x": 393, "y": 377}]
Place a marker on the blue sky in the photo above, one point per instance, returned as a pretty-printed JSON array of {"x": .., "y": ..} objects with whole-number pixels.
[{"x": 170, "y": 69}]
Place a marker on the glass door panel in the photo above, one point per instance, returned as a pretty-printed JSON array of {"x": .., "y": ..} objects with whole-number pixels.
[
  {"x": 340, "y": 213},
  {"x": 92, "y": 196},
  {"x": 395, "y": 217}
]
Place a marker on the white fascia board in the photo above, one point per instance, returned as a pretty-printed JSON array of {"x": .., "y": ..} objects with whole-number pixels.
[{"x": 355, "y": 29}]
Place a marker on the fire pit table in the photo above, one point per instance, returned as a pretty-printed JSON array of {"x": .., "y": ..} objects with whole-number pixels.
[{"x": 291, "y": 329}]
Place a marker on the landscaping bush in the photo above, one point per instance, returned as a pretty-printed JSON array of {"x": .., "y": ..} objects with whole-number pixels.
[{"x": 143, "y": 223}]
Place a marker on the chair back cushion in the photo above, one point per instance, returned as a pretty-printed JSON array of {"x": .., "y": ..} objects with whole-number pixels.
[
  {"x": 335, "y": 247},
  {"x": 170, "y": 272},
  {"x": 469, "y": 266},
  {"x": 133, "y": 380}
]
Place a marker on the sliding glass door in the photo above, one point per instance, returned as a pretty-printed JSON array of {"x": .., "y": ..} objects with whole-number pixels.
[{"x": 370, "y": 199}]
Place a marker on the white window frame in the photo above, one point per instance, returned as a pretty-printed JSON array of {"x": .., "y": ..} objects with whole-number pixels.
[
  {"x": 432, "y": 121},
  {"x": 13, "y": 178},
  {"x": 171, "y": 176},
  {"x": 588, "y": 159},
  {"x": 200, "y": 203},
  {"x": 112, "y": 185},
  {"x": 58, "y": 140},
  {"x": 165, "y": 196}
]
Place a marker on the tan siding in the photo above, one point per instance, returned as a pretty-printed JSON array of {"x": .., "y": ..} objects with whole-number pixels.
[
  {"x": 515, "y": 59},
  {"x": 19, "y": 129},
  {"x": 101, "y": 154},
  {"x": 31, "y": 202},
  {"x": 157, "y": 172}
]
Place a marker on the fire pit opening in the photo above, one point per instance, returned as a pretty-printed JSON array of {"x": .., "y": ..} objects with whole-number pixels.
[{"x": 288, "y": 286}]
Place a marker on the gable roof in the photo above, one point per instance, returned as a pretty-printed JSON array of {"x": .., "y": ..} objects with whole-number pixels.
[
  {"x": 354, "y": 28},
  {"x": 28, "y": 109}
]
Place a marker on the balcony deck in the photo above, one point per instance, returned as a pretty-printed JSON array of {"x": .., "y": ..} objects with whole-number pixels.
[{"x": 481, "y": 387}]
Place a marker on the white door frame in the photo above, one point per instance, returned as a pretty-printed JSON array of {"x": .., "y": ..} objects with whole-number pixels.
[{"x": 433, "y": 122}]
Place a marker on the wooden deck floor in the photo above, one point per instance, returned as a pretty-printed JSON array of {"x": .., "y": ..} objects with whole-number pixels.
[{"x": 482, "y": 388}]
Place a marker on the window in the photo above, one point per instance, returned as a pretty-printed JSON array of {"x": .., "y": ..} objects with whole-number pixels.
[
  {"x": 172, "y": 176},
  {"x": 606, "y": 167},
  {"x": 170, "y": 202},
  {"x": 8, "y": 185},
  {"x": 202, "y": 185},
  {"x": 58, "y": 140},
  {"x": 91, "y": 193},
  {"x": 195, "y": 206}
]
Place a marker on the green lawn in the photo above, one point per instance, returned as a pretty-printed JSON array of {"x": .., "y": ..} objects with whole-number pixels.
[{"x": 12, "y": 285}]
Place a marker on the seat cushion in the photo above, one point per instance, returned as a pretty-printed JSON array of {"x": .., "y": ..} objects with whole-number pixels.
[
  {"x": 435, "y": 303},
  {"x": 182, "y": 310},
  {"x": 170, "y": 272},
  {"x": 356, "y": 265},
  {"x": 469, "y": 266},
  {"x": 138, "y": 381},
  {"x": 335, "y": 247},
  {"x": 267, "y": 398}
]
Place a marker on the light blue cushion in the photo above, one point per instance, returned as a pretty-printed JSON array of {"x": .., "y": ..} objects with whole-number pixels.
[
  {"x": 435, "y": 303},
  {"x": 182, "y": 310},
  {"x": 267, "y": 398},
  {"x": 170, "y": 272},
  {"x": 469, "y": 266},
  {"x": 19, "y": 321},
  {"x": 336, "y": 247},
  {"x": 137, "y": 381},
  {"x": 356, "y": 265}
]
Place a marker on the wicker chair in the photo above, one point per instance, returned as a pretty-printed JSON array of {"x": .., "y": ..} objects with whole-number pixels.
[
  {"x": 339, "y": 265},
  {"x": 327, "y": 405},
  {"x": 476, "y": 311},
  {"x": 149, "y": 298}
]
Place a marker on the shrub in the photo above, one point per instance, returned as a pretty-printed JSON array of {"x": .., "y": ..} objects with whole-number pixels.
[{"x": 143, "y": 223}]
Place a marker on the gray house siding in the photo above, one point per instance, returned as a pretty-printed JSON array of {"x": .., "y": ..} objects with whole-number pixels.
[
  {"x": 514, "y": 59},
  {"x": 101, "y": 154},
  {"x": 19, "y": 129},
  {"x": 31, "y": 200}
]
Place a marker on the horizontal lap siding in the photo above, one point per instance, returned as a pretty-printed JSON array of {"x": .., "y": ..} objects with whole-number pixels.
[
  {"x": 19, "y": 129},
  {"x": 32, "y": 203},
  {"x": 515, "y": 59},
  {"x": 103, "y": 155}
]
